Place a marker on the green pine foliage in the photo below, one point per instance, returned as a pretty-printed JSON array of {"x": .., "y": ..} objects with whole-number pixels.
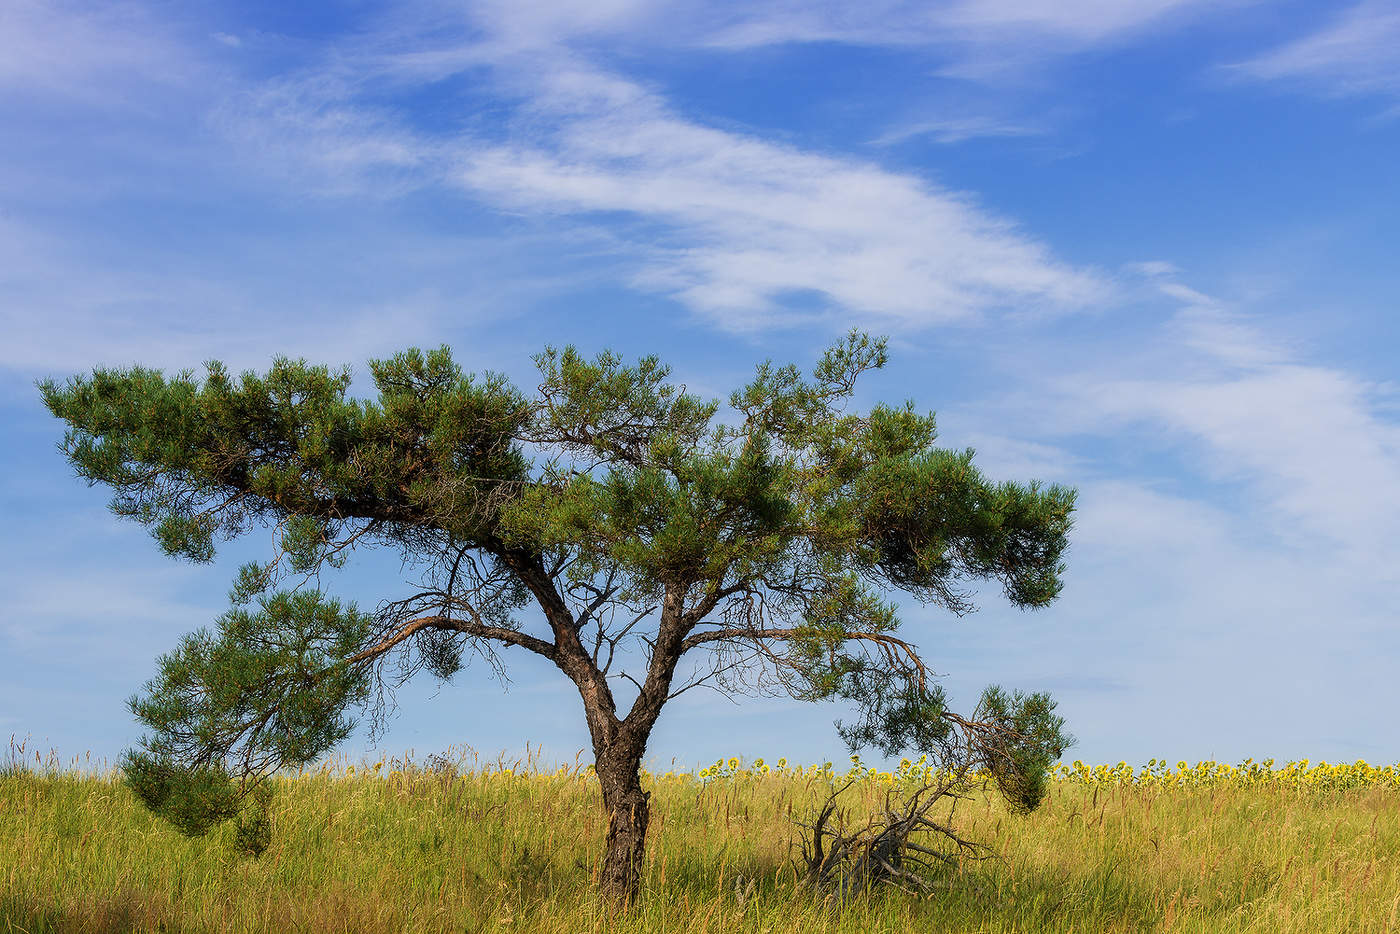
[
  {"x": 265, "y": 689},
  {"x": 1024, "y": 739}
]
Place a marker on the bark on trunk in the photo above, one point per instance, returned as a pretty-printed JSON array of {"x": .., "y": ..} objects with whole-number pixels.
[
  {"x": 618, "y": 747},
  {"x": 629, "y": 812}
]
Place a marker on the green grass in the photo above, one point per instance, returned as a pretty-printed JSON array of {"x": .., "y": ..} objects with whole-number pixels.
[{"x": 419, "y": 851}]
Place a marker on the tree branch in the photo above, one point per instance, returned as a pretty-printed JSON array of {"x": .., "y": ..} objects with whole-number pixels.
[{"x": 474, "y": 629}]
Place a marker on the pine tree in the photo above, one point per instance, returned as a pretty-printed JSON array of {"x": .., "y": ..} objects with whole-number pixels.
[{"x": 606, "y": 519}]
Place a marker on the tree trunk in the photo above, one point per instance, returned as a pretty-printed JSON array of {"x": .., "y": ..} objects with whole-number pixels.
[
  {"x": 628, "y": 814},
  {"x": 618, "y": 747}
]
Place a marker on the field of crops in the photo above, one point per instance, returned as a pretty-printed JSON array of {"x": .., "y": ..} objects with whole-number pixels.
[{"x": 397, "y": 846}]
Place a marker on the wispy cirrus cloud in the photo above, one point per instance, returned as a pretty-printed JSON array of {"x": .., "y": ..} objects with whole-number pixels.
[
  {"x": 1059, "y": 28},
  {"x": 1314, "y": 447},
  {"x": 1355, "y": 54},
  {"x": 976, "y": 39},
  {"x": 745, "y": 232},
  {"x": 92, "y": 53},
  {"x": 1309, "y": 438},
  {"x": 1239, "y": 504},
  {"x": 750, "y": 233},
  {"x": 1037, "y": 30},
  {"x": 314, "y": 133},
  {"x": 951, "y": 130}
]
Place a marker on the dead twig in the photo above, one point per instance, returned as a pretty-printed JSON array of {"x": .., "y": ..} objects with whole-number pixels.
[{"x": 903, "y": 845}]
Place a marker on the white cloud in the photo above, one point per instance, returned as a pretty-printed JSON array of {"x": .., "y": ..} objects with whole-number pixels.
[
  {"x": 744, "y": 224},
  {"x": 1055, "y": 28},
  {"x": 976, "y": 39},
  {"x": 1355, "y": 54},
  {"x": 1068, "y": 26},
  {"x": 93, "y": 53},
  {"x": 312, "y": 134},
  {"x": 746, "y": 232},
  {"x": 1269, "y": 589},
  {"x": 1305, "y": 435},
  {"x": 1312, "y": 444},
  {"x": 1032, "y": 27},
  {"x": 1153, "y": 268},
  {"x": 951, "y": 130},
  {"x": 530, "y": 24}
]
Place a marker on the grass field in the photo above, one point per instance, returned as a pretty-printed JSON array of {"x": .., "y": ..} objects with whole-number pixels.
[{"x": 395, "y": 849}]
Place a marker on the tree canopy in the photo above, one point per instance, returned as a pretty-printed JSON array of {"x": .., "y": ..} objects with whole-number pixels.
[{"x": 609, "y": 514}]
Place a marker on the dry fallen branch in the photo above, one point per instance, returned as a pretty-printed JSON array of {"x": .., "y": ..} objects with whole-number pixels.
[{"x": 901, "y": 846}]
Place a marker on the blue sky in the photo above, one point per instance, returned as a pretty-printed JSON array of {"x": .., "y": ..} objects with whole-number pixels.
[{"x": 1144, "y": 248}]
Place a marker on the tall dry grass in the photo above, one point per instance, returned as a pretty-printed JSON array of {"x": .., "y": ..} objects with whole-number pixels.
[{"x": 409, "y": 849}]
